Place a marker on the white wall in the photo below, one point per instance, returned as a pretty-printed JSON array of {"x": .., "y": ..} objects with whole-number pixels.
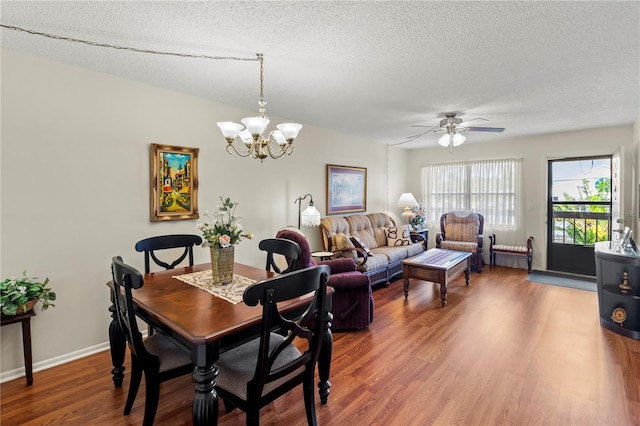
[
  {"x": 75, "y": 186},
  {"x": 535, "y": 152}
]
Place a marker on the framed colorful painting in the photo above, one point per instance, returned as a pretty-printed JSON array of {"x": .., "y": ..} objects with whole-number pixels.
[
  {"x": 346, "y": 189},
  {"x": 174, "y": 183}
]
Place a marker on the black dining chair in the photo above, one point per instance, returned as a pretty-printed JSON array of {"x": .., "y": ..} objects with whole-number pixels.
[
  {"x": 258, "y": 372},
  {"x": 289, "y": 249},
  {"x": 157, "y": 357},
  {"x": 164, "y": 242}
]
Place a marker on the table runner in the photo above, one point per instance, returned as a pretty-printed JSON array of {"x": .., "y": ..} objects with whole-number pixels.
[{"x": 232, "y": 292}]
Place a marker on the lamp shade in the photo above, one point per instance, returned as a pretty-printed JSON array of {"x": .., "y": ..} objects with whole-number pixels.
[
  {"x": 289, "y": 130},
  {"x": 458, "y": 139},
  {"x": 230, "y": 130},
  {"x": 407, "y": 200},
  {"x": 310, "y": 216},
  {"x": 444, "y": 140},
  {"x": 255, "y": 125}
]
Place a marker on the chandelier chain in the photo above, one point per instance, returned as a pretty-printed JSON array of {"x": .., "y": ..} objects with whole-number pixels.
[
  {"x": 261, "y": 59},
  {"x": 131, "y": 49}
]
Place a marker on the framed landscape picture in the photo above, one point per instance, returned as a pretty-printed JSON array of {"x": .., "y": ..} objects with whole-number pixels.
[
  {"x": 346, "y": 189},
  {"x": 174, "y": 183}
]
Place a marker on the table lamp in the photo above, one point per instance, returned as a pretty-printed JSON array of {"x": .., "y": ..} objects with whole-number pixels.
[{"x": 407, "y": 200}]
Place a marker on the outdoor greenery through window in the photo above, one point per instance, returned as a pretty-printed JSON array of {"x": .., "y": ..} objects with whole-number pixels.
[
  {"x": 491, "y": 188},
  {"x": 581, "y": 200}
]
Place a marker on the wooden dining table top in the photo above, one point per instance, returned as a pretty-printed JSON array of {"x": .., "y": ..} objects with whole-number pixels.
[{"x": 196, "y": 315}]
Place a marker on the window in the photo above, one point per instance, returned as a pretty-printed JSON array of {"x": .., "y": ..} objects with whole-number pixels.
[{"x": 491, "y": 188}]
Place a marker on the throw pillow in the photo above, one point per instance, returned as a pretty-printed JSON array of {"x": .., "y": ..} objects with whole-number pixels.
[
  {"x": 359, "y": 243},
  {"x": 398, "y": 236},
  {"x": 344, "y": 242}
]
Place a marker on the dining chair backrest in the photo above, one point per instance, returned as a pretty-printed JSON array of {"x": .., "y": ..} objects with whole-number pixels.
[
  {"x": 126, "y": 278},
  {"x": 287, "y": 248},
  {"x": 164, "y": 242},
  {"x": 157, "y": 357},
  {"x": 258, "y": 372}
]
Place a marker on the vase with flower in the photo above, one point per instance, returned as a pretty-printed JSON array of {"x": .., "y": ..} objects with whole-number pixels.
[
  {"x": 221, "y": 235},
  {"x": 418, "y": 218}
]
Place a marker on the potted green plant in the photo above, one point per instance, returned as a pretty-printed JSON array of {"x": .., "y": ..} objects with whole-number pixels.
[{"x": 19, "y": 295}]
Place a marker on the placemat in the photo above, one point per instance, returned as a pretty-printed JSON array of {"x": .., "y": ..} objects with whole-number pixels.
[{"x": 232, "y": 292}]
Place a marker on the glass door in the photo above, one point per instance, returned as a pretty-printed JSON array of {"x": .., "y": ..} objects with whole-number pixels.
[{"x": 579, "y": 212}]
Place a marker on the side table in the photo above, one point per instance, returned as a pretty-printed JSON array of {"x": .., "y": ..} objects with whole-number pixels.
[
  {"x": 322, "y": 255},
  {"x": 424, "y": 233},
  {"x": 25, "y": 319}
]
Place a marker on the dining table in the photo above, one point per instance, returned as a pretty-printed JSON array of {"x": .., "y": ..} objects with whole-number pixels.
[{"x": 206, "y": 325}]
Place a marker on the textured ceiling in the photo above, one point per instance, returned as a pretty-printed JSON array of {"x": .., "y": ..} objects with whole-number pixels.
[{"x": 370, "y": 69}]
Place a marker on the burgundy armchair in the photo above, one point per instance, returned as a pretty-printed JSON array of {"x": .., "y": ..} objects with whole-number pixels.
[{"x": 352, "y": 304}]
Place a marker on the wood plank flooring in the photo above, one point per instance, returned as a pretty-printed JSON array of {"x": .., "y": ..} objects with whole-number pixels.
[{"x": 503, "y": 351}]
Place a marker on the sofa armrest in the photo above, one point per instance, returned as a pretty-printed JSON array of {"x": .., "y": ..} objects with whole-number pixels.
[
  {"x": 492, "y": 241},
  {"x": 417, "y": 238},
  {"x": 362, "y": 255}
]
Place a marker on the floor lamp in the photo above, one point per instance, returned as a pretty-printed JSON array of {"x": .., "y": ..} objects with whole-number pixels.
[{"x": 310, "y": 216}]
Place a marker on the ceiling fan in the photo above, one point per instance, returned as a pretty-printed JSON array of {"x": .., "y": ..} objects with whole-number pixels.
[{"x": 451, "y": 125}]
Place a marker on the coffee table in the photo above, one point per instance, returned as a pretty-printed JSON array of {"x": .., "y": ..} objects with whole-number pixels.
[{"x": 438, "y": 266}]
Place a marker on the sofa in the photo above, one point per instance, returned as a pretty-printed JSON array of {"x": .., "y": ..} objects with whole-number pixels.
[{"x": 374, "y": 241}]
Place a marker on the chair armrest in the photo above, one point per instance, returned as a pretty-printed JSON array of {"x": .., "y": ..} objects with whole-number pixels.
[
  {"x": 492, "y": 241},
  {"x": 341, "y": 264},
  {"x": 480, "y": 240},
  {"x": 530, "y": 244},
  {"x": 439, "y": 239}
]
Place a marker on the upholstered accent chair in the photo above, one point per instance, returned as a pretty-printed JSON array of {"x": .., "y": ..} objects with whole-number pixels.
[
  {"x": 462, "y": 231},
  {"x": 352, "y": 302}
]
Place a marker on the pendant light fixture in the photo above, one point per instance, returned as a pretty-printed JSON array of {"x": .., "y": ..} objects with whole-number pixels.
[{"x": 277, "y": 144}]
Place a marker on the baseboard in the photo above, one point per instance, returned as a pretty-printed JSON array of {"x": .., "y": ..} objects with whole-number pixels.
[{"x": 62, "y": 359}]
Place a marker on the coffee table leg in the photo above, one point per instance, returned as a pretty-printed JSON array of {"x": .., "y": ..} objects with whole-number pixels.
[
  {"x": 466, "y": 272},
  {"x": 443, "y": 293},
  {"x": 406, "y": 283}
]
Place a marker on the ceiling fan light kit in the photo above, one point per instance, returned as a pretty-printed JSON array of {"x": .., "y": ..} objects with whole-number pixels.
[{"x": 452, "y": 126}]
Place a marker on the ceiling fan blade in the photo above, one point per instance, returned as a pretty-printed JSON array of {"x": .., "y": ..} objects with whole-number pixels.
[
  {"x": 486, "y": 129},
  {"x": 420, "y": 125},
  {"x": 465, "y": 123}
]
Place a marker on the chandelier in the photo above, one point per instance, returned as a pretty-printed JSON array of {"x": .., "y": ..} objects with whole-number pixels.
[{"x": 276, "y": 145}]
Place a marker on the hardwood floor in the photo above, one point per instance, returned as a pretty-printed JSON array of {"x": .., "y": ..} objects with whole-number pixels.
[{"x": 503, "y": 351}]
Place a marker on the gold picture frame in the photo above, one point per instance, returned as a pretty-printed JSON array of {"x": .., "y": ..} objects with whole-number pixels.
[
  {"x": 346, "y": 189},
  {"x": 174, "y": 183}
]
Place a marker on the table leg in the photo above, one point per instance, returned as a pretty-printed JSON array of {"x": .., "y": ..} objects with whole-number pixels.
[
  {"x": 466, "y": 272},
  {"x": 205, "y": 401},
  {"x": 26, "y": 349},
  {"x": 443, "y": 292},
  {"x": 324, "y": 361},
  {"x": 405, "y": 273},
  {"x": 117, "y": 345}
]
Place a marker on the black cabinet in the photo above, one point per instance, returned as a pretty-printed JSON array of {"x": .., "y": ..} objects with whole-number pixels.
[{"x": 618, "y": 275}]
